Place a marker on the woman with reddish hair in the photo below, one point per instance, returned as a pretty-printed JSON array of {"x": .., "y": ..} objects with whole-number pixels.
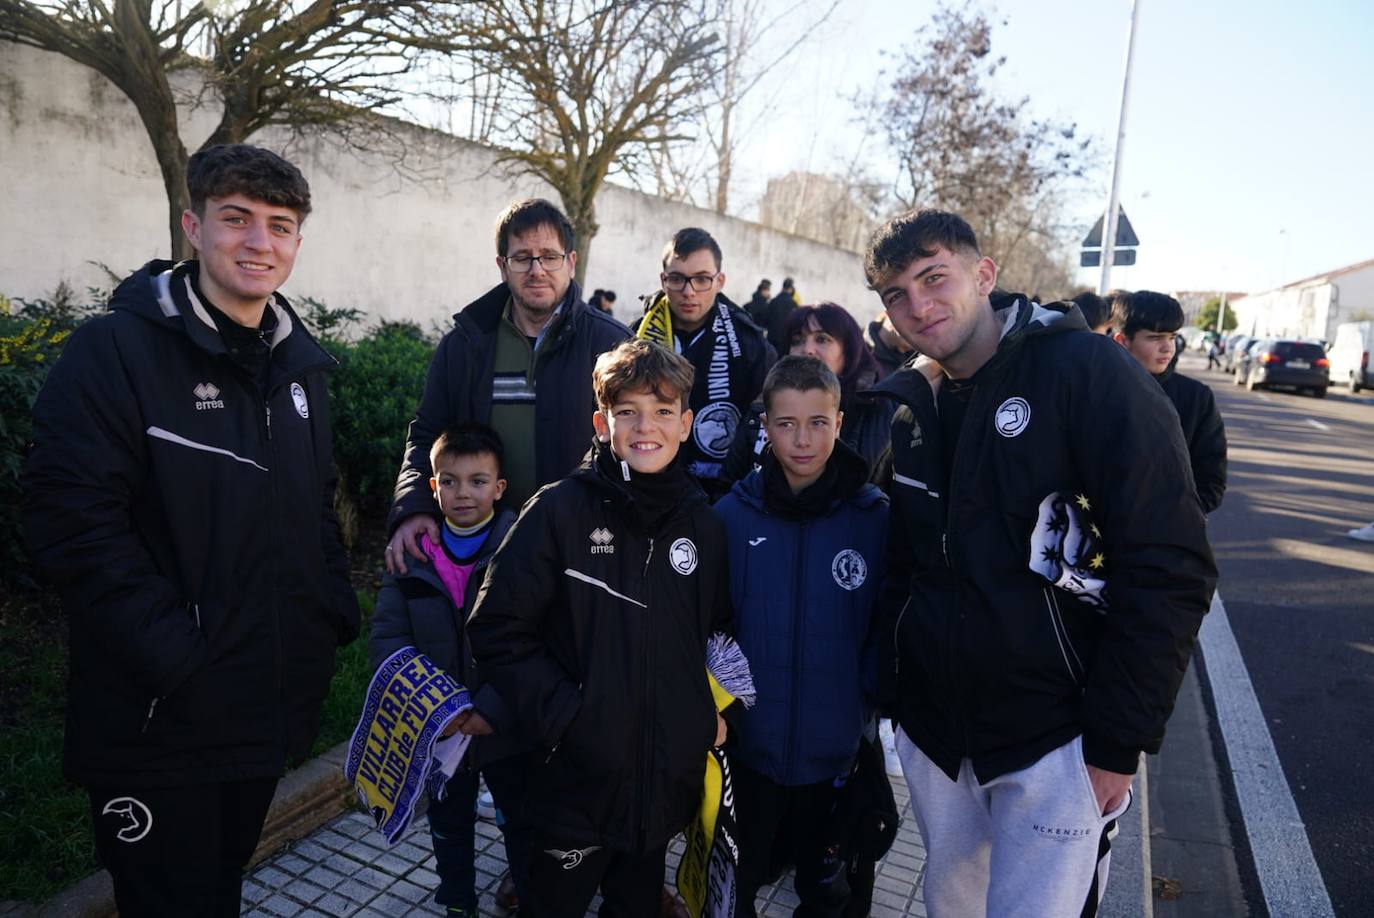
[{"x": 829, "y": 333}]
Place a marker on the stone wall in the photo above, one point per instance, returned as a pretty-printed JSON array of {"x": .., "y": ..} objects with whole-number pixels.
[{"x": 79, "y": 187}]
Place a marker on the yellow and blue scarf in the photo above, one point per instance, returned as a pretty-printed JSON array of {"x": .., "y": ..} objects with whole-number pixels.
[{"x": 396, "y": 753}]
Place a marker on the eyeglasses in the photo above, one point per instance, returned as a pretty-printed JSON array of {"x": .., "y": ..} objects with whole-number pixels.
[
  {"x": 523, "y": 264},
  {"x": 700, "y": 282}
]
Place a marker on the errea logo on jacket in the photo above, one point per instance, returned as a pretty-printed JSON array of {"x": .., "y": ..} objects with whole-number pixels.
[
  {"x": 601, "y": 542},
  {"x": 207, "y": 396}
]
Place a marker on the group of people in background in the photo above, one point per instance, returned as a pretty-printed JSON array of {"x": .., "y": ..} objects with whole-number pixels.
[{"x": 982, "y": 522}]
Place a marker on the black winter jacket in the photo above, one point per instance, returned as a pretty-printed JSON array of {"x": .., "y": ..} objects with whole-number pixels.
[
  {"x": 1006, "y": 643},
  {"x": 414, "y": 609},
  {"x": 1203, "y": 431},
  {"x": 458, "y": 390},
  {"x": 186, "y": 515},
  {"x": 595, "y": 632}
]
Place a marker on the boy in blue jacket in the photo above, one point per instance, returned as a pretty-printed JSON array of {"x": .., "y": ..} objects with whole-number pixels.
[
  {"x": 427, "y": 608},
  {"x": 805, "y": 540}
]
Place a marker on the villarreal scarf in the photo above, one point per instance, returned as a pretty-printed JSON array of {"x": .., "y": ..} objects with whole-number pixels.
[
  {"x": 706, "y": 874},
  {"x": 396, "y": 753}
]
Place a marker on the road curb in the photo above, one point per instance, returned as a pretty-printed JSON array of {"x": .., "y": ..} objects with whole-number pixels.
[{"x": 306, "y": 798}]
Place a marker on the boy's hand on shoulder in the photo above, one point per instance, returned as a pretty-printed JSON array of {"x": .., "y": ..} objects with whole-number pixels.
[{"x": 721, "y": 729}]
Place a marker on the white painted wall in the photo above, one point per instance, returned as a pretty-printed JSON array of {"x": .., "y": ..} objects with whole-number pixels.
[
  {"x": 79, "y": 184},
  {"x": 1309, "y": 310}
]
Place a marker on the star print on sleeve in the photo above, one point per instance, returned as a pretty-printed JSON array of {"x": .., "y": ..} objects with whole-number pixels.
[{"x": 1066, "y": 548}]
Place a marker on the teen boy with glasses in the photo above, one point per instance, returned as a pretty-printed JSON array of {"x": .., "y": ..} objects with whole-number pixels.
[{"x": 730, "y": 354}]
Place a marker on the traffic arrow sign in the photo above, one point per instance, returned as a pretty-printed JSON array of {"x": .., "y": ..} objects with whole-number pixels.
[
  {"x": 1125, "y": 233},
  {"x": 1092, "y": 258}
]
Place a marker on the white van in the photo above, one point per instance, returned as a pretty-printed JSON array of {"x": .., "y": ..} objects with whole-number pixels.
[{"x": 1350, "y": 356}]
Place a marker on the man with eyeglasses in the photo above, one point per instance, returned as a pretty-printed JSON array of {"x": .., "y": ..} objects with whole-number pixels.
[
  {"x": 730, "y": 353},
  {"x": 518, "y": 359}
]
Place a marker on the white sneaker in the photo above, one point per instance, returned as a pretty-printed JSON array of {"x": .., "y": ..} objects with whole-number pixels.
[
  {"x": 486, "y": 806},
  {"x": 1364, "y": 533},
  {"x": 890, "y": 757}
]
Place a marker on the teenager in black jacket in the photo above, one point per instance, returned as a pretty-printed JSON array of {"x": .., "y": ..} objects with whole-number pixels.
[
  {"x": 592, "y": 625},
  {"x": 1049, "y": 569},
  {"x": 180, "y": 493},
  {"x": 1145, "y": 324}
]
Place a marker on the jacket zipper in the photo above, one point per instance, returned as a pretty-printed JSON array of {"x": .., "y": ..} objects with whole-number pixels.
[
  {"x": 800, "y": 616},
  {"x": 956, "y": 627},
  {"x": 152, "y": 706},
  {"x": 896, "y": 645},
  {"x": 647, "y": 711}
]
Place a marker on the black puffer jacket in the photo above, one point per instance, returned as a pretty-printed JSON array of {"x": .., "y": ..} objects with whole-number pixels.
[
  {"x": 594, "y": 631},
  {"x": 1203, "y": 431},
  {"x": 1006, "y": 644},
  {"x": 458, "y": 390},
  {"x": 186, "y": 514}
]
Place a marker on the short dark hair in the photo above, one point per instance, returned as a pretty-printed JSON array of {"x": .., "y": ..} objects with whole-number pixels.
[
  {"x": 912, "y": 235},
  {"x": 468, "y": 440},
  {"x": 1095, "y": 310},
  {"x": 608, "y": 296},
  {"x": 688, "y": 240},
  {"x": 836, "y": 321},
  {"x": 254, "y": 172},
  {"x": 523, "y": 216},
  {"x": 765, "y": 283},
  {"x": 1146, "y": 310},
  {"x": 640, "y": 365},
  {"x": 801, "y": 374}
]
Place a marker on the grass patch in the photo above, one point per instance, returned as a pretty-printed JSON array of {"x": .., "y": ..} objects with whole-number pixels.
[{"x": 46, "y": 843}]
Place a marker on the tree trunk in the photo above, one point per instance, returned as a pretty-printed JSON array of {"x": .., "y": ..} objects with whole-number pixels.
[
  {"x": 724, "y": 165},
  {"x": 582, "y": 216},
  {"x": 143, "y": 79}
]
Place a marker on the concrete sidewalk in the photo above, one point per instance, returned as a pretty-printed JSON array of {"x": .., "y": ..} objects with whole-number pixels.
[{"x": 344, "y": 868}]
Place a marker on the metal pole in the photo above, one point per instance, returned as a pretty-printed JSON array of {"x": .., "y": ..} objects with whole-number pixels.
[{"x": 1109, "y": 223}]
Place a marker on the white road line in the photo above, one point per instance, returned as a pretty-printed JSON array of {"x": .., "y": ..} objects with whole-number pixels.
[
  {"x": 1262, "y": 397},
  {"x": 1318, "y": 424},
  {"x": 1288, "y": 874}
]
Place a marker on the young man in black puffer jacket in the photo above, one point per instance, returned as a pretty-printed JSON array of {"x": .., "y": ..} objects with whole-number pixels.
[
  {"x": 593, "y": 625},
  {"x": 180, "y": 492},
  {"x": 1048, "y": 571}
]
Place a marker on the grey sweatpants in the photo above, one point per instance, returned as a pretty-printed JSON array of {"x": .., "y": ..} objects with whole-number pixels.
[{"x": 1032, "y": 842}]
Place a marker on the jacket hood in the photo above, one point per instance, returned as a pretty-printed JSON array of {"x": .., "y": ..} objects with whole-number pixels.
[
  {"x": 164, "y": 293},
  {"x": 852, "y": 484}
]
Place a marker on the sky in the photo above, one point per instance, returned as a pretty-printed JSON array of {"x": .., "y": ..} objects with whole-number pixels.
[{"x": 1249, "y": 149}]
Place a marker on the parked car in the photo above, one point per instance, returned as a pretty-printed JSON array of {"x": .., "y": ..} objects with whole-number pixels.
[
  {"x": 1349, "y": 355},
  {"x": 1237, "y": 355},
  {"x": 1286, "y": 364}
]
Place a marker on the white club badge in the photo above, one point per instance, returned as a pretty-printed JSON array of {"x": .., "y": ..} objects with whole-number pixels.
[
  {"x": 298, "y": 398},
  {"x": 683, "y": 556}
]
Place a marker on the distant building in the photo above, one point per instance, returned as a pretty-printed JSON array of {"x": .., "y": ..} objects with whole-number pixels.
[
  {"x": 819, "y": 207},
  {"x": 1311, "y": 307}
]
